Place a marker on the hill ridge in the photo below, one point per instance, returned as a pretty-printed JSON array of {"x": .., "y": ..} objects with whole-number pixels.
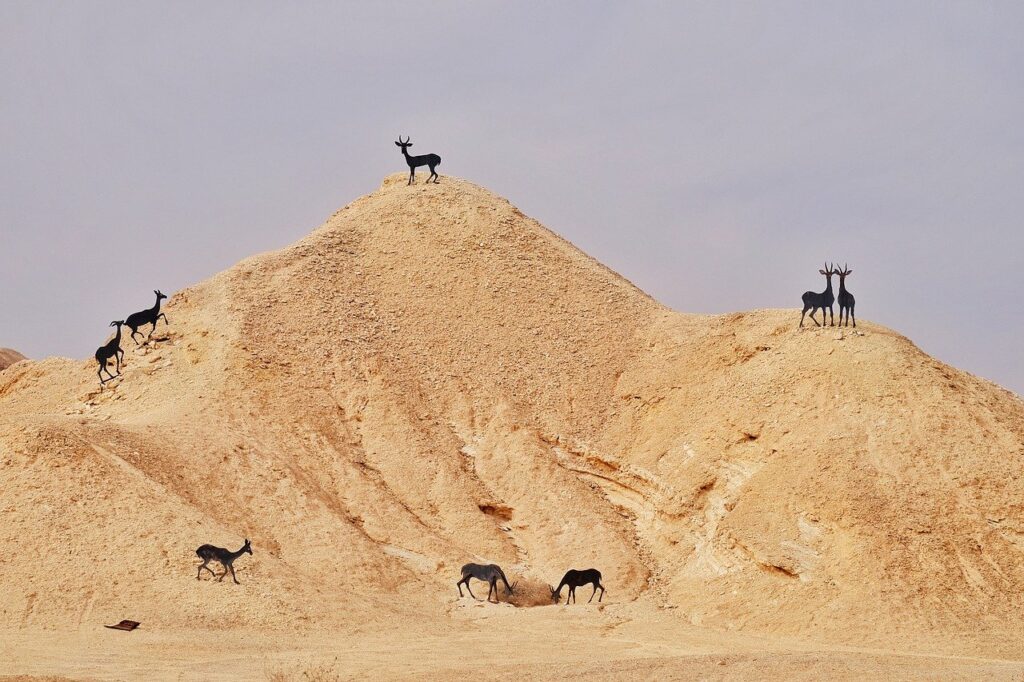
[{"x": 432, "y": 377}]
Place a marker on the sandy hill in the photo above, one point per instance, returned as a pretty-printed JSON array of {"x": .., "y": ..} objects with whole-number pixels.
[
  {"x": 432, "y": 378},
  {"x": 8, "y": 357}
]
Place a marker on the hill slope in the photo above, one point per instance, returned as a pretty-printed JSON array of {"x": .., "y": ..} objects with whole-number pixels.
[
  {"x": 8, "y": 357},
  {"x": 432, "y": 378}
]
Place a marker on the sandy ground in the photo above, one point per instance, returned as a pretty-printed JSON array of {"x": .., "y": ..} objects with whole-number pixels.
[
  {"x": 433, "y": 378},
  {"x": 483, "y": 642}
]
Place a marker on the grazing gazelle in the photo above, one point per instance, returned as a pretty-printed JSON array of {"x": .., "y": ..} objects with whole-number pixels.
[
  {"x": 226, "y": 558},
  {"x": 489, "y": 574},
  {"x": 429, "y": 160},
  {"x": 574, "y": 579}
]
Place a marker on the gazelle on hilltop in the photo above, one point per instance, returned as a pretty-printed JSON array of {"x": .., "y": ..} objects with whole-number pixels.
[
  {"x": 845, "y": 298},
  {"x": 814, "y": 301},
  {"x": 430, "y": 160}
]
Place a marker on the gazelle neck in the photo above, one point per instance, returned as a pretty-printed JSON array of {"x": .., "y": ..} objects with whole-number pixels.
[{"x": 117, "y": 336}]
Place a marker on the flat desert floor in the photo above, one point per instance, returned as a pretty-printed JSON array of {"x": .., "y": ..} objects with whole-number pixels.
[{"x": 482, "y": 641}]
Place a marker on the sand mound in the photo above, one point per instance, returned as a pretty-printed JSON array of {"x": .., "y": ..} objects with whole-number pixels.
[
  {"x": 432, "y": 378},
  {"x": 8, "y": 357}
]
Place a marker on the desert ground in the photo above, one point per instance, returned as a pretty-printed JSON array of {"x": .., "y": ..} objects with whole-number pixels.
[{"x": 432, "y": 378}]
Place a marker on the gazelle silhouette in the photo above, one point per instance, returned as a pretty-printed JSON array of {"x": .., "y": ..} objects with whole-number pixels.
[
  {"x": 845, "y": 299},
  {"x": 430, "y": 160},
  {"x": 111, "y": 349},
  {"x": 147, "y": 316},
  {"x": 574, "y": 579},
  {"x": 490, "y": 574},
  {"x": 226, "y": 558},
  {"x": 813, "y": 300}
]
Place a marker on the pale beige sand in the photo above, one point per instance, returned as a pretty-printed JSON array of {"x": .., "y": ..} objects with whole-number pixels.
[{"x": 432, "y": 378}]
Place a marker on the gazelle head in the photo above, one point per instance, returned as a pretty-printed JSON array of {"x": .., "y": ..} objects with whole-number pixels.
[
  {"x": 843, "y": 272},
  {"x": 555, "y": 597},
  {"x": 512, "y": 587},
  {"x": 117, "y": 323},
  {"x": 159, "y": 294},
  {"x": 405, "y": 144},
  {"x": 828, "y": 271},
  {"x": 247, "y": 547}
]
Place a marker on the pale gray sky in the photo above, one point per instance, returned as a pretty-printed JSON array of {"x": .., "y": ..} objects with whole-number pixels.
[{"x": 714, "y": 153}]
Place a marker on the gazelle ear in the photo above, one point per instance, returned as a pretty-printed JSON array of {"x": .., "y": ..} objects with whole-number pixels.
[
  {"x": 849, "y": 272},
  {"x": 822, "y": 272}
]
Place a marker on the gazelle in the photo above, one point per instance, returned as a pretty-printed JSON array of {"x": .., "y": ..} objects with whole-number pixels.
[
  {"x": 111, "y": 349},
  {"x": 226, "y": 558},
  {"x": 845, "y": 298},
  {"x": 490, "y": 574},
  {"x": 573, "y": 579},
  {"x": 813, "y": 300},
  {"x": 430, "y": 160},
  {"x": 147, "y": 316}
]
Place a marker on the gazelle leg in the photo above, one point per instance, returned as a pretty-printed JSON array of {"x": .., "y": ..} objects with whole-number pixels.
[
  {"x": 232, "y": 567},
  {"x": 459, "y": 585},
  {"x": 469, "y": 590},
  {"x": 602, "y": 594},
  {"x": 802, "y": 316},
  {"x": 854, "y": 317},
  {"x": 816, "y": 319},
  {"x": 592, "y": 594},
  {"x": 412, "y": 176}
]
